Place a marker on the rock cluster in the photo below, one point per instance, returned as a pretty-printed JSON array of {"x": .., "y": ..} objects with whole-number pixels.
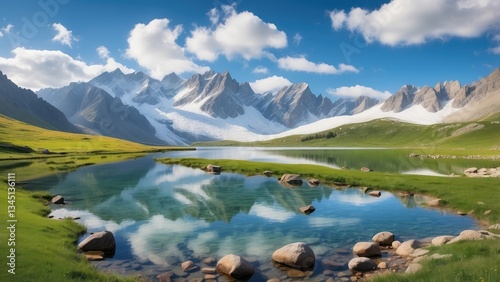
[
  {"x": 482, "y": 172},
  {"x": 468, "y": 157},
  {"x": 403, "y": 257}
]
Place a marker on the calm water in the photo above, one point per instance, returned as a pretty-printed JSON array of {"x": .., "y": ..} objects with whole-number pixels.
[{"x": 162, "y": 215}]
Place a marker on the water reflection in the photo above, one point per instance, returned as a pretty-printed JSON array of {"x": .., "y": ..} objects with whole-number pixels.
[
  {"x": 162, "y": 215},
  {"x": 386, "y": 160}
]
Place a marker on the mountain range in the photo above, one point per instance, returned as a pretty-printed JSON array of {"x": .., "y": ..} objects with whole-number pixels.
[{"x": 214, "y": 106}]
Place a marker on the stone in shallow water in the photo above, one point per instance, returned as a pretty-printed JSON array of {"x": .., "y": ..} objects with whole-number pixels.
[
  {"x": 210, "y": 261},
  {"x": 298, "y": 255}
]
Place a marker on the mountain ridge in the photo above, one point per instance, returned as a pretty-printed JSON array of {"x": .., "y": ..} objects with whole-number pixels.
[
  {"x": 214, "y": 106},
  {"x": 24, "y": 105}
]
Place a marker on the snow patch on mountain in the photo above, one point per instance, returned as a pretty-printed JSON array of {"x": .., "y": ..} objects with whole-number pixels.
[{"x": 416, "y": 115}]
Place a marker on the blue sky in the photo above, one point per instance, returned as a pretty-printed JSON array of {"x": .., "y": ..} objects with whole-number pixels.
[{"x": 340, "y": 48}]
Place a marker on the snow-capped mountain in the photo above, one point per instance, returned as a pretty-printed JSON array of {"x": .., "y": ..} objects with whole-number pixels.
[{"x": 214, "y": 106}]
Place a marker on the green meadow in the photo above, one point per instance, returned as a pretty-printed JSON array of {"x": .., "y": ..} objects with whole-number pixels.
[{"x": 482, "y": 137}]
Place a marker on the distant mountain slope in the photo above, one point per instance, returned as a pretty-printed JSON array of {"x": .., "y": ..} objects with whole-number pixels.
[
  {"x": 23, "y": 105},
  {"x": 98, "y": 112}
]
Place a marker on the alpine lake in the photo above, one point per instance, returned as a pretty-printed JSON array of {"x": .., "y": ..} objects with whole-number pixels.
[{"x": 162, "y": 215}]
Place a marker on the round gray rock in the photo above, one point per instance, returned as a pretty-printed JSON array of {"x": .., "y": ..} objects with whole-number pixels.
[{"x": 362, "y": 264}]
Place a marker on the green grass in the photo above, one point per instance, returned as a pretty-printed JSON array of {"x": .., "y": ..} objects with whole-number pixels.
[
  {"x": 45, "y": 248},
  {"x": 68, "y": 151},
  {"x": 60, "y": 143},
  {"x": 395, "y": 134},
  {"x": 470, "y": 261}
]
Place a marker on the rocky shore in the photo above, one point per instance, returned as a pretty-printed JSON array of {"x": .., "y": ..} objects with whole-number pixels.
[{"x": 467, "y": 157}]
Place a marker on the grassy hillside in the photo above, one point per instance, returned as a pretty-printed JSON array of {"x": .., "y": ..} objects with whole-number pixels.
[
  {"x": 22, "y": 134},
  {"x": 480, "y": 136},
  {"x": 67, "y": 151}
]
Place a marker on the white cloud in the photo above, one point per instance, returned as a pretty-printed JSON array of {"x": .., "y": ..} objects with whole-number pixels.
[
  {"x": 496, "y": 40},
  {"x": 358, "y": 90},
  {"x": 271, "y": 213},
  {"x": 8, "y": 28},
  {"x": 153, "y": 46},
  {"x": 260, "y": 70},
  {"x": 302, "y": 64},
  {"x": 36, "y": 69},
  {"x": 214, "y": 16},
  {"x": 103, "y": 52},
  {"x": 297, "y": 39},
  {"x": 1, "y": 34},
  {"x": 406, "y": 22},
  {"x": 272, "y": 84},
  {"x": 338, "y": 19},
  {"x": 239, "y": 34},
  {"x": 63, "y": 36}
]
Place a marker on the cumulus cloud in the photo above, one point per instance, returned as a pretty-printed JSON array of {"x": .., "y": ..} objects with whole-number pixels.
[
  {"x": 302, "y": 64},
  {"x": 238, "y": 34},
  {"x": 103, "y": 52},
  {"x": 36, "y": 69},
  {"x": 260, "y": 70},
  {"x": 154, "y": 47},
  {"x": 63, "y": 36},
  {"x": 407, "y": 22},
  {"x": 269, "y": 84},
  {"x": 358, "y": 90}
]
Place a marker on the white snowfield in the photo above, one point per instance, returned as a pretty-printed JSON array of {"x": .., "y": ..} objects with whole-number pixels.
[{"x": 415, "y": 114}]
